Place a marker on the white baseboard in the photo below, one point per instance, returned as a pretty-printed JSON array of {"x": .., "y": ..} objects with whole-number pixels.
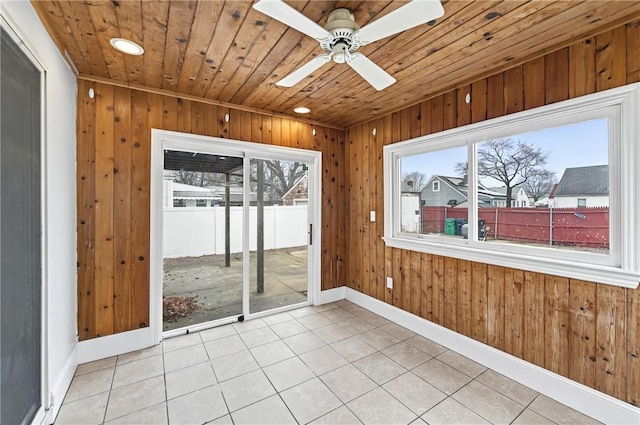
[
  {"x": 113, "y": 345},
  {"x": 592, "y": 403},
  {"x": 61, "y": 386},
  {"x": 330, "y": 295}
]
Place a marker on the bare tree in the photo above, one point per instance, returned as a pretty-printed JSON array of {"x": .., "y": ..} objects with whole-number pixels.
[
  {"x": 279, "y": 176},
  {"x": 540, "y": 184},
  {"x": 512, "y": 162},
  {"x": 198, "y": 178},
  {"x": 417, "y": 179}
]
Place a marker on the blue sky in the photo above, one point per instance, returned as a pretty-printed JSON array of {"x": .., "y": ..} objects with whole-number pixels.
[{"x": 576, "y": 145}]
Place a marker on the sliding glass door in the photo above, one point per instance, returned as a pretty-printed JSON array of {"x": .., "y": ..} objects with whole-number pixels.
[
  {"x": 279, "y": 234},
  {"x": 236, "y": 225}
]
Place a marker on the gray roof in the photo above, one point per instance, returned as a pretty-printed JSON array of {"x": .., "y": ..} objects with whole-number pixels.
[{"x": 592, "y": 180}]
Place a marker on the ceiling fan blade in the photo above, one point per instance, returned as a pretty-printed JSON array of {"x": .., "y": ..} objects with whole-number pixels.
[
  {"x": 279, "y": 10},
  {"x": 376, "y": 76},
  {"x": 296, "y": 76},
  {"x": 412, "y": 14}
]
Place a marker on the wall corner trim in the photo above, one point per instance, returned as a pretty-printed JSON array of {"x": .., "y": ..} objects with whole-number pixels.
[
  {"x": 586, "y": 400},
  {"x": 61, "y": 386},
  {"x": 330, "y": 295}
]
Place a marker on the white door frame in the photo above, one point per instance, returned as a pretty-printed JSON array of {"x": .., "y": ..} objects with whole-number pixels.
[{"x": 163, "y": 139}]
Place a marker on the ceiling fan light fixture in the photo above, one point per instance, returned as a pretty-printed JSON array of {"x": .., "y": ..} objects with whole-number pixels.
[
  {"x": 126, "y": 46},
  {"x": 301, "y": 110}
]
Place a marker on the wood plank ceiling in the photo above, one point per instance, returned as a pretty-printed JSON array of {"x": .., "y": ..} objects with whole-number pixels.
[{"x": 228, "y": 52}]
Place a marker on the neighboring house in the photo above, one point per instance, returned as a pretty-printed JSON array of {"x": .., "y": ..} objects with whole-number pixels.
[
  {"x": 410, "y": 208},
  {"x": 519, "y": 197},
  {"x": 298, "y": 194},
  {"x": 185, "y": 195},
  {"x": 582, "y": 187},
  {"x": 452, "y": 191}
]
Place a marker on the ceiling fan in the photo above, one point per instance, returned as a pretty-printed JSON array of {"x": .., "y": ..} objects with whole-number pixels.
[{"x": 341, "y": 36}]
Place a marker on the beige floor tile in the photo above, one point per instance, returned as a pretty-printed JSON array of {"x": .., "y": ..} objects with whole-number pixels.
[
  {"x": 379, "y": 367},
  {"x": 374, "y": 319},
  {"x": 379, "y": 407},
  {"x": 89, "y": 384},
  {"x": 140, "y": 354},
  {"x": 508, "y": 387},
  {"x": 89, "y": 410},
  {"x": 289, "y": 328},
  {"x": 224, "y": 420},
  {"x": 378, "y": 339},
  {"x": 274, "y": 319},
  {"x": 303, "y": 342},
  {"x": 348, "y": 382},
  {"x": 406, "y": 355},
  {"x": 288, "y": 373},
  {"x": 324, "y": 307},
  {"x": 488, "y": 403},
  {"x": 224, "y": 346},
  {"x": 332, "y": 333},
  {"x": 355, "y": 309},
  {"x": 153, "y": 415},
  {"x": 138, "y": 370},
  {"x": 271, "y": 353},
  {"x": 314, "y": 321},
  {"x": 217, "y": 333},
  {"x": 558, "y": 412},
  {"x": 414, "y": 393},
  {"x": 109, "y": 362},
  {"x": 249, "y": 325},
  {"x": 134, "y": 397},
  {"x": 426, "y": 345},
  {"x": 323, "y": 360},
  {"x": 182, "y": 341},
  {"x": 233, "y": 365},
  {"x": 461, "y": 363},
  {"x": 310, "y": 400},
  {"x": 270, "y": 411},
  {"x": 443, "y": 377},
  {"x": 453, "y": 413},
  {"x": 529, "y": 417},
  {"x": 197, "y": 407},
  {"x": 398, "y": 331},
  {"x": 338, "y": 315},
  {"x": 353, "y": 348},
  {"x": 341, "y": 416},
  {"x": 357, "y": 325},
  {"x": 185, "y": 357},
  {"x": 246, "y": 389},
  {"x": 189, "y": 379},
  {"x": 301, "y": 312},
  {"x": 257, "y": 337}
]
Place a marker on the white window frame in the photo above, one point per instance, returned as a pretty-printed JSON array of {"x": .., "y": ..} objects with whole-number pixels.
[
  {"x": 435, "y": 186},
  {"x": 621, "y": 267}
]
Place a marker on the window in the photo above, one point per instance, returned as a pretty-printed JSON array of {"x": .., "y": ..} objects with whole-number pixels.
[
  {"x": 520, "y": 185},
  {"x": 201, "y": 202}
]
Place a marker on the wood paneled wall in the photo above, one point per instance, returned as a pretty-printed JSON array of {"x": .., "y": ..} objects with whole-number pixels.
[
  {"x": 586, "y": 331},
  {"x": 114, "y": 161}
]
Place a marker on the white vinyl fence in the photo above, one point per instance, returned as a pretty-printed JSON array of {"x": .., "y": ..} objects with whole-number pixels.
[{"x": 192, "y": 232}]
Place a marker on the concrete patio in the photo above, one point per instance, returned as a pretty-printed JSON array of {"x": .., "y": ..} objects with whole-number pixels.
[{"x": 219, "y": 289}]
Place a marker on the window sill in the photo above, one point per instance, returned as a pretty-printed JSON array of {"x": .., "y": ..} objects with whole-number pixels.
[{"x": 610, "y": 275}]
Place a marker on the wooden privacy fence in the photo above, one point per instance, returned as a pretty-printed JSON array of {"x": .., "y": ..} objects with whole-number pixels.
[{"x": 588, "y": 227}]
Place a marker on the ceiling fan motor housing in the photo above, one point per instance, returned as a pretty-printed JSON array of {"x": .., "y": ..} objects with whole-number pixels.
[{"x": 341, "y": 24}]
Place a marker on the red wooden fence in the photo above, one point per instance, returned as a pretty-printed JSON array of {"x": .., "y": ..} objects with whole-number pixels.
[{"x": 587, "y": 227}]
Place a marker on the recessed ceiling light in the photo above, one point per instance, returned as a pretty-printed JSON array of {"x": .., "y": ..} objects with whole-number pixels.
[
  {"x": 302, "y": 110},
  {"x": 127, "y": 46}
]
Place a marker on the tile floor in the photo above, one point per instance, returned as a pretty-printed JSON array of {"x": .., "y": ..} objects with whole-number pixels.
[{"x": 332, "y": 364}]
